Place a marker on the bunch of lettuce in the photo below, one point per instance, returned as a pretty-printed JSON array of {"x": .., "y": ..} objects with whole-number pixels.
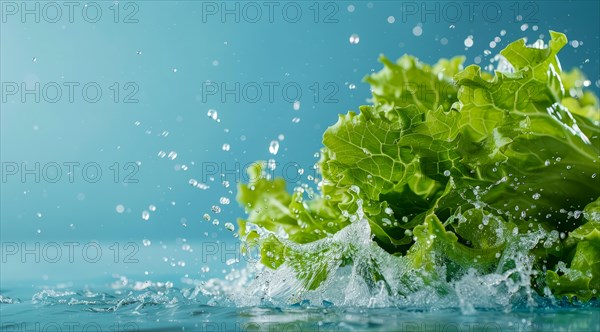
[{"x": 446, "y": 165}]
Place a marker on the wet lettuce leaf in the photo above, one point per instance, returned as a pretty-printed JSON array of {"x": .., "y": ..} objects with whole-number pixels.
[{"x": 448, "y": 165}]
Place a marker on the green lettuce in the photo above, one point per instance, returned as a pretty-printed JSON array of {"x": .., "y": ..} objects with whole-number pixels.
[{"x": 451, "y": 164}]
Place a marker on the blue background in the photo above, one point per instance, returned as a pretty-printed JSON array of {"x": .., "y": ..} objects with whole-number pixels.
[{"x": 168, "y": 54}]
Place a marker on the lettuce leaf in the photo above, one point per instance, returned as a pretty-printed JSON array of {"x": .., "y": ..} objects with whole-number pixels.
[{"x": 447, "y": 166}]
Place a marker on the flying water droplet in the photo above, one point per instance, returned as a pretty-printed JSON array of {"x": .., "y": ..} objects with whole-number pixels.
[
  {"x": 213, "y": 114},
  {"x": 145, "y": 215},
  {"x": 273, "y": 147},
  {"x": 354, "y": 39}
]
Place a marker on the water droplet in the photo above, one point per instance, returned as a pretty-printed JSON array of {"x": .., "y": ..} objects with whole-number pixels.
[
  {"x": 138, "y": 52},
  {"x": 350, "y": 8},
  {"x": 417, "y": 31},
  {"x": 229, "y": 226},
  {"x": 216, "y": 209},
  {"x": 34, "y": 59},
  {"x": 354, "y": 39},
  {"x": 469, "y": 41},
  {"x": 213, "y": 114},
  {"x": 224, "y": 200},
  {"x": 226, "y": 147},
  {"x": 205, "y": 269},
  {"x": 296, "y": 105},
  {"x": 39, "y": 214},
  {"x": 296, "y": 120},
  {"x": 152, "y": 207},
  {"x": 215, "y": 222},
  {"x": 281, "y": 137},
  {"x": 225, "y": 184},
  {"x": 162, "y": 154},
  {"x": 174, "y": 70},
  {"x": 391, "y": 19},
  {"x": 146, "y": 242},
  {"x": 300, "y": 171},
  {"x": 446, "y": 173},
  {"x": 120, "y": 208},
  {"x": 145, "y": 215},
  {"x": 273, "y": 147},
  {"x": 547, "y": 163},
  {"x": 502, "y": 32},
  {"x": 271, "y": 164},
  {"x": 172, "y": 155},
  {"x": 524, "y": 26},
  {"x": 231, "y": 261},
  {"x": 351, "y": 86},
  {"x": 536, "y": 196}
]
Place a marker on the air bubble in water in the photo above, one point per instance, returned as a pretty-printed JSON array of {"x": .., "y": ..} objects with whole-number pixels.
[
  {"x": 145, "y": 215},
  {"x": 273, "y": 147},
  {"x": 354, "y": 39}
]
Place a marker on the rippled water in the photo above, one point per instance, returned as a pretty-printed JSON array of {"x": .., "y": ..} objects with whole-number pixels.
[{"x": 143, "y": 306}]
